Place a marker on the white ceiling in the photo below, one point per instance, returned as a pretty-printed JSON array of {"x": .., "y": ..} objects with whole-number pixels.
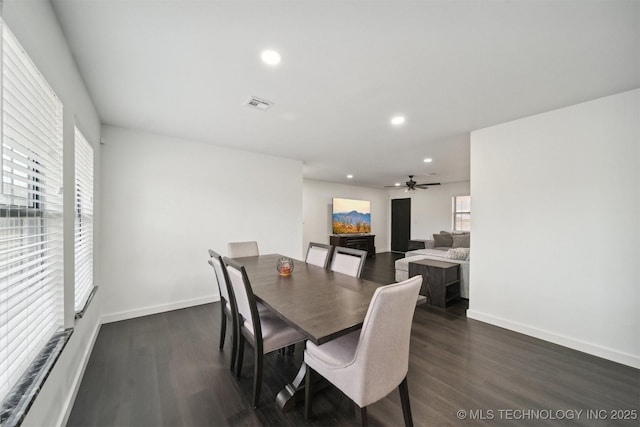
[{"x": 186, "y": 68}]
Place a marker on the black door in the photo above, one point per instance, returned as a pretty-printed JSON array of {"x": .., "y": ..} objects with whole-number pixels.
[{"x": 400, "y": 224}]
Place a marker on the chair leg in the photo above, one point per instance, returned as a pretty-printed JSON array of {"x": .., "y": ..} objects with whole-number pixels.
[
  {"x": 234, "y": 350},
  {"x": 363, "y": 417},
  {"x": 406, "y": 407},
  {"x": 240, "y": 356},
  {"x": 257, "y": 375},
  {"x": 223, "y": 328},
  {"x": 308, "y": 394},
  {"x": 291, "y": 349}
]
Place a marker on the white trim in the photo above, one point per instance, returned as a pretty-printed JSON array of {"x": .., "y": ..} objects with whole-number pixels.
[
  {"x": 145, "y": 311},
  {"x": 585, "y": 347},
  {"x": 71, "y": 398}
]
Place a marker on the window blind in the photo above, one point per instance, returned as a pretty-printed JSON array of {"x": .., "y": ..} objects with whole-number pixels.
[
  {"x": 83, "y": 220},
  {"x": 31, "y": 280},
  {"x": 462, "y": 213}
]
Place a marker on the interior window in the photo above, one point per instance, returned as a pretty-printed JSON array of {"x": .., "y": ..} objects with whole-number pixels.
[{"x": 462, "y": 213}]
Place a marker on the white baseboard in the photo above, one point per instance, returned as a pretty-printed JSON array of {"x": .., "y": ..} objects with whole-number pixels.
[
  {"x": 585, "y": 347},
  {"x": 145, "y": 311},
  {"x": 77, "y": 380}
]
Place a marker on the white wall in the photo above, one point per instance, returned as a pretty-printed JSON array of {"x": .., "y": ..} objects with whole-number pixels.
[
  {"x": 166, "y": 201},
  {"x": 431, "y": 208},
  {"x": 317, "y": 198},
  {"x": 556, "y": 204},
  {"x": 36, "y": 27}
]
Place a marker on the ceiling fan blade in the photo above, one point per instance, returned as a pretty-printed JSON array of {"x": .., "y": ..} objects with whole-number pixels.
[
  {"x": 427, "y": 185},
  {"x": 392, "y": 186}
]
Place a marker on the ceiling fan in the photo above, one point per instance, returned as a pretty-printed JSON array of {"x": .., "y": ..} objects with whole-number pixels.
[{"x": 411, "y": 185}]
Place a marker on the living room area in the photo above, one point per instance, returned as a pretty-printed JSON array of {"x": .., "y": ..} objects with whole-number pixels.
[{"x": 536, "y": 224}]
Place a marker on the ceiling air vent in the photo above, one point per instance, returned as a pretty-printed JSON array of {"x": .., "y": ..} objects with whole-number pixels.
[{"x": 260, "y": 104}]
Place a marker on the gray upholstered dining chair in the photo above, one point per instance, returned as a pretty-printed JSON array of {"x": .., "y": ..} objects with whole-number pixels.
[
  {"x": 318, "y": 254},
  {"x": 264, "y": 331},
  {"x": 348, "y": 261},
  {"x": 227, "y": 301},
  {"x": 367, "y": 365},
  {"x": 242, "y": 249}
]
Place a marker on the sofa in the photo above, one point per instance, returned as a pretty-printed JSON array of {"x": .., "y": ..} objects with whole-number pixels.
[{"x": 446, "y": 246}]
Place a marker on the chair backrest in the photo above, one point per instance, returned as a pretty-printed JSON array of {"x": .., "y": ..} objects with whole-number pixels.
[
  {"x": 241, "y": 249},
  {"x": 223, "y": 283},
  {"x": 382, "y": 355},
  {"x": 245, "y": 301},
  {"x": 318, "y": 254},
  {"x": 348, "y": 261}
]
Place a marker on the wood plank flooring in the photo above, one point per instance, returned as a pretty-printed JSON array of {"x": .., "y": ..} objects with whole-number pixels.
[{"x": 166, "y": 370}]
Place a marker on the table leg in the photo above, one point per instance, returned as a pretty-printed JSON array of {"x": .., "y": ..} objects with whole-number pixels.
[{"x": 292, "y": 392}]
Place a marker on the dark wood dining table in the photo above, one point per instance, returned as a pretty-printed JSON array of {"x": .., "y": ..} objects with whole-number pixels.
[{"x": 320, "y": 303}]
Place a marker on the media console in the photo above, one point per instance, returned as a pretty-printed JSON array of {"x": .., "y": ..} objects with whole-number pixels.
[{"x": 364, "y": 242}]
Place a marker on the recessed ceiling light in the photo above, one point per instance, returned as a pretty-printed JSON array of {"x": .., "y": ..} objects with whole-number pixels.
[
  {"x": 397, "y": 120},
  {"x": 397, "y": 184},
  {"x": 349, "y": 176},
  {"x": 428, "y": 160},
  {"x": 270, "y": 57}
]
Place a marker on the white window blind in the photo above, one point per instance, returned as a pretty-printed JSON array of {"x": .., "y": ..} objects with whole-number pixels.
[
  {"x": 83, "y": 221},
  {"x": 462, "y": 213},
  {"x": 31, "y": 279}
]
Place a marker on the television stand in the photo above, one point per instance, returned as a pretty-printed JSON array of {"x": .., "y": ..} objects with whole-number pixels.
[{"x": 364, "y": 242}]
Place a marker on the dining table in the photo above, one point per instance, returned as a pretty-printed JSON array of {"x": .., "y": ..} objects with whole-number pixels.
[{"x": 320, "y": 303}]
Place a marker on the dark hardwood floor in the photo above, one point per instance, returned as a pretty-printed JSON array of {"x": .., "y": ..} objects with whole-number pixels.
[
  {"x": 166, "y": 370},
  {"x": 381, "y": 268}
]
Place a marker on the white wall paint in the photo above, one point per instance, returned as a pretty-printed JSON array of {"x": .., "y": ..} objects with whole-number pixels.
[
  {"x": 431, "y": 208},
  {"x": 556, "y": 203},
  {"x": 36, "y": 27},
  {"x": 317, "y": 198},
  {"x": 166, "y": 201}
]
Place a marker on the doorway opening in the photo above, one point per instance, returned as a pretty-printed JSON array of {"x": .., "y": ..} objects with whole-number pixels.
[{"x": 400, "y": 224}]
